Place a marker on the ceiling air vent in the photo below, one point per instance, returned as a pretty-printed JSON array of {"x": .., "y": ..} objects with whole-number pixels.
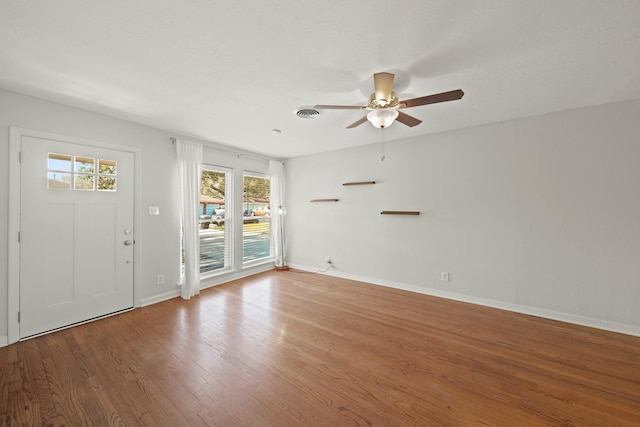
[{"x": 307, "y": 113}]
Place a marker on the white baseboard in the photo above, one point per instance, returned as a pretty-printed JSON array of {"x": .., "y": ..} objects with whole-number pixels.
[
  {"x": 210, "y": 282},
  {"x": 159, "y": 298},
  {"x": 547, "y": 314},
  {"x": 4, "y": 341}
]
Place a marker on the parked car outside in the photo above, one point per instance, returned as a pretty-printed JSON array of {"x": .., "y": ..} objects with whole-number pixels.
[{"x": 263, "y": 211}]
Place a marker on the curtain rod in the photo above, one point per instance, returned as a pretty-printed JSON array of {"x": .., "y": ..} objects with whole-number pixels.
[{"x": 220, "y": 147}]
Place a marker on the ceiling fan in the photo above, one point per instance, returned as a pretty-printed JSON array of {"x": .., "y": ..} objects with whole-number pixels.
[{"x": 384, "y": 107}]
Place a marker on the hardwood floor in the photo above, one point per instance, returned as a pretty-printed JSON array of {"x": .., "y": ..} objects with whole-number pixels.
[{"x": 294, "y": 348}]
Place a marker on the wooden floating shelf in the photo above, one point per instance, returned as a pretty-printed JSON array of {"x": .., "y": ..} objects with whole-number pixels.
[
  {"x": 324, "y": 200},
  {"x": 360, "y": 183},
  {"x": 399, "y": 213}
]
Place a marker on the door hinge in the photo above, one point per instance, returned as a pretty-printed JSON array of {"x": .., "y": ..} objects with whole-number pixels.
[
  {"x": 18, "y": 237},
  {"x": 19, "y": 156},
  {"x": 18, "y": 317}
]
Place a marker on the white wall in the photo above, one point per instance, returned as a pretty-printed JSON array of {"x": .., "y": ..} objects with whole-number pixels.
[
  {"x": 539, "y": 215},
  {"x": 158, "y": 236}
]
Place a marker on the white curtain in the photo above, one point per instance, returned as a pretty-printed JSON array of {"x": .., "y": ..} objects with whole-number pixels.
[
  {"x": 276, "y": 172},
  {"x": 190, "y": 170}
]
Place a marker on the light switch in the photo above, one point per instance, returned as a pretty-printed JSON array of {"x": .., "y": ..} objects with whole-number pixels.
[{"x": 154, "y": 210}]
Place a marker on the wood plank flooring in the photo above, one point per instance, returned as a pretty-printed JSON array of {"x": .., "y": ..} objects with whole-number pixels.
[{"x": 301, "y": 349}]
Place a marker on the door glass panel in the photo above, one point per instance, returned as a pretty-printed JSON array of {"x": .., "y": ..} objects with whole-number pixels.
[
  {"x": 107, "y": 183},
  {"x": 85, "y": 165},
  {"x": 107, "y": 167},
  {"x": 58, "y": 181},
  {"x": 59, "y": 162},
  {"x": 84, "y": 182}
]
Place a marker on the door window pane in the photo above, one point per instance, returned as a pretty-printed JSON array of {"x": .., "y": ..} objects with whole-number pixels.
[
  {"x": 59, "y": 162},
  {"x": 107, "y": 183},
  {"x": 84, "y": 182},
  {"x": 107, "y": 167},
  {"x": 58, "y": 181},
  {"x": 85, "y": 165}
]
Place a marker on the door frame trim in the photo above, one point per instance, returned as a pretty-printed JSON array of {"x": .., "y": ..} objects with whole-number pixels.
[{"x": 15, "y": 140}]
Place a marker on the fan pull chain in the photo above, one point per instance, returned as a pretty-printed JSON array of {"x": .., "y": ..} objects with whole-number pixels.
[{"x": 382, "y": 156}]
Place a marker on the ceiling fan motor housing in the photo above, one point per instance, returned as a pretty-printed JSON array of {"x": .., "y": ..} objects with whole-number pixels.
[{"x": 374, "y": 103}]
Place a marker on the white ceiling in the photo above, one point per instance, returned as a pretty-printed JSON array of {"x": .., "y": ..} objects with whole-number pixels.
[{"x": 231, "y": 72}]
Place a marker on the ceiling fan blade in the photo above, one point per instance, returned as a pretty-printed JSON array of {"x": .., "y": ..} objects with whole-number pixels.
[
  {"x": 339, "y": 107},
  {"x": 408, "y": 120},
  {"x": 383, "y": 83},
  {"x": 358, "y": 123},
  {"x": 433, "y": 99}
]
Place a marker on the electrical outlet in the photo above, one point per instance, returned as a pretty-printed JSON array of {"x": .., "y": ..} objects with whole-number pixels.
[
  {"x": 160, "y": 279},
  {"x": 444, "y": 276}
]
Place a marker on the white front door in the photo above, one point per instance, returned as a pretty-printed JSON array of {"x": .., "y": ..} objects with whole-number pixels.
[{"x": 76, "y": 233}]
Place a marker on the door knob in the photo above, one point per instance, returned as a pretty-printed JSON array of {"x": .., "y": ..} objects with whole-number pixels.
[{"x": 128, "y": 242}]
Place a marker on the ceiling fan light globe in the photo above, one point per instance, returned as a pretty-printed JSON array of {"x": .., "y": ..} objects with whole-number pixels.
[{"x": 383, "y": 117}]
